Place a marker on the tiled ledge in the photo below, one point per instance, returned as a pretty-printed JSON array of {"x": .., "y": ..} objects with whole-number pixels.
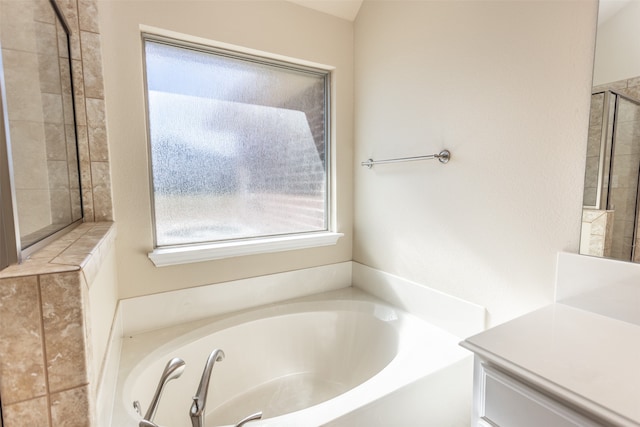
[
  {"x": 83, "y": 248},
  {"x": 46, "y": 375}
]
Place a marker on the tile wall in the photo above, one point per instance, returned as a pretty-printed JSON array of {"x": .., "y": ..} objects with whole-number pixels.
[
  {"x": 47, "y": 377},
  {"x": 39, "y": 112},
  {"x": 597, "y": 232},
  {"x": 593, "y": 152},
  {"x": 624, "y": 173},
  {"x": 82, "y": 17}
]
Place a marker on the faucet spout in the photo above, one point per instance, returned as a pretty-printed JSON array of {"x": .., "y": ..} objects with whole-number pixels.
[
  {"x": 173, "y": 370},
  {"x": 197, "y": 410},
  {"x": 252, "y": 417}
]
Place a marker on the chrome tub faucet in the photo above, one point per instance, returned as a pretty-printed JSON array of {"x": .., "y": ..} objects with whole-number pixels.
[
  {"x": 174, "y": 368},
  {"x": 200, "y": 399},
  {"x": 252, "y": 417}
]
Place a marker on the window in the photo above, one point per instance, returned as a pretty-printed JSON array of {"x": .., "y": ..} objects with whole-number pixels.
[{"x": 239, "y": 148}]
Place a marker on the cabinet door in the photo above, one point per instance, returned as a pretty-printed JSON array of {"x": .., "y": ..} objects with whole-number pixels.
[{"x": 507, "y": 402}]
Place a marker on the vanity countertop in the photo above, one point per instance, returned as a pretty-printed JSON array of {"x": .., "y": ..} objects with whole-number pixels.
[{"x": 590, "y": 360}]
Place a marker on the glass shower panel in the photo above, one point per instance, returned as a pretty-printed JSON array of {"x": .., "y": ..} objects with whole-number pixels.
[
  {"x": 598, "y": 150},
  {"x": 623, "y": 188},
  {"x": 593, "y": 151},
  {"x": 41, "y": 119}
]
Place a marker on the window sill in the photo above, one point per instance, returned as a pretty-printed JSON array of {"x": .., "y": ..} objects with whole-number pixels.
[{"x": 162, "y": 257}]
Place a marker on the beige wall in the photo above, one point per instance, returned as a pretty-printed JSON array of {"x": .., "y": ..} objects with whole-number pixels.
[
  {"x": 618, "y": 46},
  {"x": 276, "y": 27},
  {"x": 505, "y": 86}
]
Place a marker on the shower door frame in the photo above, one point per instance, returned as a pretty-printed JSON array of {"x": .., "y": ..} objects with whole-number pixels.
[{"x": 604, "y": 140}]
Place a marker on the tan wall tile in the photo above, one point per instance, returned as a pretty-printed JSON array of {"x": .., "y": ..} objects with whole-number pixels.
[
  {"x": 85, "y": 173},
  {"x": 43, "y": 12},
  {"x": 60, "y": 207},
  {"x": 78, "y": 89},
  {"x": 63, "y": 49},
  {"x": 70, "y": 11},
  {"x": 633, "y": 82},
  {"x": 45, "y": 38},
  {"x": 29, "y": 151},
  {"x": 68, "y": 109},
  {"x": 74, "y": 42},
  {"x": 64, "y": 69},
  {"x": 35, "y": 212},
  {"x": 58, "y": 175},
  {"x": 88, "y": 11},
  {"x": 101, "y": 177},
  {"x": 72, "y": 148},
  {"x": 52, "y": 108},
  {"x": 95, "y": 112},
  {"x": 64, "y": 330},
  {"x": 56, "y": 143},
  {"x": 87, "y": 204},
  {"x": 98, "y": 145},
  {"x": 15, "y": 17},
  {"x": 49, "y": 69},
  {"x": 31, "y": 413},
  {"x": 23, "y": 97},
  {"x": 72, "y": 408},
  {"x": 632, "y": 92},
  {"x": 92, "y": 65},
  {"x": 76, "y": 206},
  {"x": 22, "y": 373}
]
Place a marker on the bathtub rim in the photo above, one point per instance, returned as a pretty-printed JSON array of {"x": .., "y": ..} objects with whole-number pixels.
[{"x": 386, "y": 381}]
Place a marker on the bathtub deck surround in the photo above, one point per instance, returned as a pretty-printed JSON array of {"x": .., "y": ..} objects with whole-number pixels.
[
  {"x": 338, "y": 352},
  {"x": 156, "y": 311},
  {"x": 459, "y": 317},
  {"x": 160, "y": 312},
  {"x": 51, "y": 358}
]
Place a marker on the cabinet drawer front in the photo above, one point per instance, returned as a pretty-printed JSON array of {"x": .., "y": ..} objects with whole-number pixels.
[{"x": 510, "y": 403}]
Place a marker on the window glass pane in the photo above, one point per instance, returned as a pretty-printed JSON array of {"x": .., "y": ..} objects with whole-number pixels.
[{"x": 238, "y": 147}]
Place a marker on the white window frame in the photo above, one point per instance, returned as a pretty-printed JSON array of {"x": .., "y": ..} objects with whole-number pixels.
[{"x": 197, "y": 252}]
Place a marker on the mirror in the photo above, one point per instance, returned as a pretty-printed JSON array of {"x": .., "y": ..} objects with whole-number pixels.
[
  {"x": 611, "y": 190},
  {"x": 40, "y": 132}
]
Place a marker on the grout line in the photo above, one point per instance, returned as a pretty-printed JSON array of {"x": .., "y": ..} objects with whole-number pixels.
[{"x": 44, "y": 352}]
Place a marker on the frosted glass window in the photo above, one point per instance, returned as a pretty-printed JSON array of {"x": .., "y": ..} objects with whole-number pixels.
[{"x": 239, "y": 146}]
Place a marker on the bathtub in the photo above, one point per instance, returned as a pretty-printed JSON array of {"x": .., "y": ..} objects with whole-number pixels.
[{"x": 341, "y": 358}]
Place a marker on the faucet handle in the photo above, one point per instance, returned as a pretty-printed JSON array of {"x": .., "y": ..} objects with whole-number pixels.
[
  {"x": 252, "y": 417},
  {"x": 173, "y": 370}
]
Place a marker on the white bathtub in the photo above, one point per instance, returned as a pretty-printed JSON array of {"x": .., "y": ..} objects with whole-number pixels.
[{"x": 331, "y": 359}]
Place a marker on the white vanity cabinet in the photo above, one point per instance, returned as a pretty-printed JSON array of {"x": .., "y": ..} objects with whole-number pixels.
[
  {"x": 558, "y": 366},
  {"x": 503, "y": 400}
]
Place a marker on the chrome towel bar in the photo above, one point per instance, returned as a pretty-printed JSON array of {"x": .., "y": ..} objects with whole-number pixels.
[{"x": 442, "y": 156}]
